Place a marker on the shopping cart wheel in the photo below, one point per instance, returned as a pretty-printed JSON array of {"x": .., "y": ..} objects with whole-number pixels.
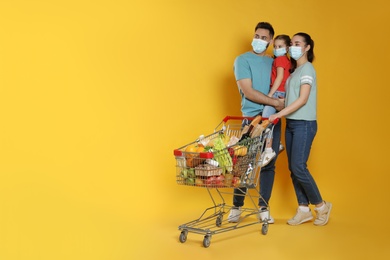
[
  {"x": 219, "y": 221},
  {"x": 206, "y": 241},
  {"x": 264, "y": 229},
  {"x": 183, "y": 236}
]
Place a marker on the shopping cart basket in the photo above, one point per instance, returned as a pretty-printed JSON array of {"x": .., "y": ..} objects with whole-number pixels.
[{"x": 228, "y": 158}]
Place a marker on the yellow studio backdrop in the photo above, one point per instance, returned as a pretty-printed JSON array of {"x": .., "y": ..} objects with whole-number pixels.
[{"x": 96, "y": 95}]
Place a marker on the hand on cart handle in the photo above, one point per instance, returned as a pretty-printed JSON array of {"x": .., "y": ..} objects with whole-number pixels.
[{"x": 274, "y": 119}]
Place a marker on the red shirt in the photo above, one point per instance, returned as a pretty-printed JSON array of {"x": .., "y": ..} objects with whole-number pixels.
[{"x": 284, "y": 62}]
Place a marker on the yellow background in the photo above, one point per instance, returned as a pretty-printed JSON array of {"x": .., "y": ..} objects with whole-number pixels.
[{"x": 95, "y": 95}]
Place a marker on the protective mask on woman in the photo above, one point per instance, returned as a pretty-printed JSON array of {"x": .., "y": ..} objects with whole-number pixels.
[
  {"x": 259, "y": 45},
  {"x": 279, "y": 52},
  {"x": 295, "y": 52}
]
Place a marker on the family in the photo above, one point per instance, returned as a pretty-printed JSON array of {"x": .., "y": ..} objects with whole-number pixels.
[{"x": 275, "y": 88}]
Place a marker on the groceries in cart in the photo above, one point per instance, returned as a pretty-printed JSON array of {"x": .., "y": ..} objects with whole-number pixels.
[
  {"x": 230, "y": 157},
  {"x": 226, "y": 158}
]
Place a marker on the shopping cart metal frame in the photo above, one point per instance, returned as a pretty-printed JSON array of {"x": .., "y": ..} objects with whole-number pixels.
[{"x": 211, "y": 221}]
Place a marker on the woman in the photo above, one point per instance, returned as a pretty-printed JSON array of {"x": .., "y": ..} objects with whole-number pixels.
[{"x": 301, "y": 127}]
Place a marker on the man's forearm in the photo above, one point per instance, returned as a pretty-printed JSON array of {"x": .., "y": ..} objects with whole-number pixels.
[
  {"x": 261, "y": 98},
  {"x": 256, "y": 96}
]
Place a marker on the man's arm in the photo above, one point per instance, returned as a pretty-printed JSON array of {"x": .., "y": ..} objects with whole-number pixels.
[{"x": 256, "y": 96}]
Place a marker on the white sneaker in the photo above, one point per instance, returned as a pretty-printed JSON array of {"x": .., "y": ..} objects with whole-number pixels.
[
  {"x": 234, "y": 215},
  {"x": 323, "y": 215},
  {"x": 281, "y": 147},
  {"x": 267, "y": 156},
  {"x": 300, "y": 217},
  {"x": 264, "y": 214}
]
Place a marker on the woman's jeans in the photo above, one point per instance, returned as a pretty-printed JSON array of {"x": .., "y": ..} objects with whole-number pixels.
[
  {"x": 267, "y": 176},
  {"x": 269, "y": 110},
  {"x": 299, "y": 138}
]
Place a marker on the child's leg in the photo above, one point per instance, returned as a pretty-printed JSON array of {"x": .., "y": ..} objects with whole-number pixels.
[
  {"x": 267, "y": 111},
  {"x": 268, "y": 140},
  {"x": 268, "y": 153}
]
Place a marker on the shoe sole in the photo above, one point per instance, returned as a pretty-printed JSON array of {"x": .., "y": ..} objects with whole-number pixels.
[
  {"x": 234, "y": 219},
  {"x": 262, "y": 164},
  {"x": 270, "y": 221},
  {"x": 327, "y": 217},
  {"x": 301, "y": 222}
]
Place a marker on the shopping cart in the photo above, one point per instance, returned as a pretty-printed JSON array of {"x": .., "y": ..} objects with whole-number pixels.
[{"x": 228, "y": 158}]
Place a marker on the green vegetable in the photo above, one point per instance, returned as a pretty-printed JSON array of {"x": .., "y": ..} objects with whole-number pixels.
[
  {"x": 222, "y": 155},
  {"x": 191, "y": 173},
  {"x": 184, "y": 173},
  {"x": 190, "y": 181},
  {"x": 188, "y": 173}
]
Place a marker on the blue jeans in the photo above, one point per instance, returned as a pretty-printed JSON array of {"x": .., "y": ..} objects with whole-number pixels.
[
  {"x": 299, "y": 138},
  {"x": 267, "y": 176},
  {"x": 269, "y": 110}
]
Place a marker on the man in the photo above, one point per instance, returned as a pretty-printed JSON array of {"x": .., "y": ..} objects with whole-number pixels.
[{"x": 253, "y": 75}]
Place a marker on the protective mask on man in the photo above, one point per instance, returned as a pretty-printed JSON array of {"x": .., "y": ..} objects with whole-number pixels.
[
  {"x": 259, "y": 45},
  {"x": 279, "y": 52},
  {"x": 295, "y": 52}
]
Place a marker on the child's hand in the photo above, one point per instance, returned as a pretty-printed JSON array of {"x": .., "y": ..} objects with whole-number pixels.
[{"x": 280, "y": 104}]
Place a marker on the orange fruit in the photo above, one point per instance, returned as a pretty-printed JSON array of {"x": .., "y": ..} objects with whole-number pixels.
[
  {"x": 200, "y": 149},
  {"x": 190, "y": 151},
  {"x": 191, "y": 148}
]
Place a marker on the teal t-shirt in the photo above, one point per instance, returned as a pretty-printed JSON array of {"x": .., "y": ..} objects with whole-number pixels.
[
  {"x": 258, "y": 69},
  {"x": 305, "y": 74}
]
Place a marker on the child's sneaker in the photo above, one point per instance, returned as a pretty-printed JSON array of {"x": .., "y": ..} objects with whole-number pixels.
[
  {"x": 300, "y": 217},
  {"x": 323, "y": 215},
  {"x": 281, "y": 147},
  {"x": 234, "y": 215},
  {"x": 267, "y": 156}
]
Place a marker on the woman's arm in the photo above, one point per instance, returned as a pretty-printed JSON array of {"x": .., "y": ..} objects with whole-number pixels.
[{"x": 294, "y": 106}]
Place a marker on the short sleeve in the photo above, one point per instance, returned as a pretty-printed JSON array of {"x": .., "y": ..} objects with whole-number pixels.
[
  {"x": 308, "y": 75},
  {"x": 283, "y": 62},
  {"x": 242, "y": 68}
]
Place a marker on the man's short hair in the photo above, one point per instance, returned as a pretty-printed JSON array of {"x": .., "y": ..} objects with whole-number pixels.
[{"x": 266, "y": 26}]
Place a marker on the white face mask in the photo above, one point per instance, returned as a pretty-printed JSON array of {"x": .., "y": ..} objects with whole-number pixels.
[
  {"x": 259, "y": 45},
  {"x": 295, "y": 52},
  {"x": 279, "y": 52}
]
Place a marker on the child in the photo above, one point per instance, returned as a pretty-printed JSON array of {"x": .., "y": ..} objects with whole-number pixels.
[{"x": 280, "y": 72}]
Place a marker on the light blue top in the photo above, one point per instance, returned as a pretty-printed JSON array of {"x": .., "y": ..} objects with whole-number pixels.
[
  {"x": 304, "y": 74},
  {"x": 258, "y": 69}
]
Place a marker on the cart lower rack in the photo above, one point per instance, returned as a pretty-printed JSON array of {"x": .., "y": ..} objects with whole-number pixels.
[{"x": 227, "y": 159}]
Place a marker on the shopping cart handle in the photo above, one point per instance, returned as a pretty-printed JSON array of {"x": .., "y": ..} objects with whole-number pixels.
[
  {"x": 276, "y": 121},
  {"x": 227, "y": 118}
]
